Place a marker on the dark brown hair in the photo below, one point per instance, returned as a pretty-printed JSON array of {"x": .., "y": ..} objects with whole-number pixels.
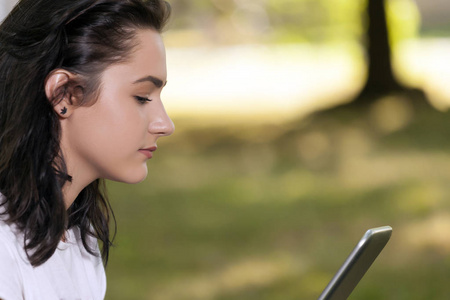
[{"x": 38, "y": 36}]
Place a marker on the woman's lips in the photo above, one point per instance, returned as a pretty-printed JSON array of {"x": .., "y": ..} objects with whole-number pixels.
[{"x": 148, "y": 151}]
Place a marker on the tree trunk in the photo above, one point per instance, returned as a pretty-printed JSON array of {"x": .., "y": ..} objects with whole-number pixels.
[{"x": 380, "y": 78}]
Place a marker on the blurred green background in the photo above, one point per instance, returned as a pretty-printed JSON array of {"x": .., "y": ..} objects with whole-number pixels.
[{"x": 282, "y": 157}]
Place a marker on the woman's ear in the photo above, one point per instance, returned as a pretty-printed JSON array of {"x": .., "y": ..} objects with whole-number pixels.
[{"x": 59, "y": 91}]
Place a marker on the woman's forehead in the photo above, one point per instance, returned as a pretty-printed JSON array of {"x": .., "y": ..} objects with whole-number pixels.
[{"x": 147, "y": 63}]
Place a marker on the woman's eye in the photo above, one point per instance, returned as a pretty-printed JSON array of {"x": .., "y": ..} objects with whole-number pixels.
[{"x": 142, "y": 100}]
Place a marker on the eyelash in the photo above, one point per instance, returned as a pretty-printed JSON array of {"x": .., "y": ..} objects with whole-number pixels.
[{"x": 142, "y": 100}]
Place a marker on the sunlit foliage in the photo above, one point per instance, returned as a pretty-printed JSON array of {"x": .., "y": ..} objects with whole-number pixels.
[{"x": 284, "y": 21}]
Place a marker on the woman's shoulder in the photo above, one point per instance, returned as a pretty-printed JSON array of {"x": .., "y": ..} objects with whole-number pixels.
[
  {"x": 10, "y": 258},
  {"x": 11, "y": 238},
  {"x": 7, "y": 244},
  {"x": 11, "y": 242},
  {"x": 7, "y": 240}
]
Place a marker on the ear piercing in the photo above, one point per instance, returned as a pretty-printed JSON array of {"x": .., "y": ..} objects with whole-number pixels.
[{"x": 64, "y": 110}]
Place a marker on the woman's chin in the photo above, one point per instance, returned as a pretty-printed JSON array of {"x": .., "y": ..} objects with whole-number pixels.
[{"x": 133, "y": 176}]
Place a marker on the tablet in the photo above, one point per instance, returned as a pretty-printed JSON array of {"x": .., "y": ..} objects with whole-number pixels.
[{"x": 357, "y": 264}]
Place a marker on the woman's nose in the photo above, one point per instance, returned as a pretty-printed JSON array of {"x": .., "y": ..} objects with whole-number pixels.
[{"x": 161, "y": 124}]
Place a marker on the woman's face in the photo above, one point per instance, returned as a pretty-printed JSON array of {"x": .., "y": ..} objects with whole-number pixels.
[{"x": 114, "y": 137}]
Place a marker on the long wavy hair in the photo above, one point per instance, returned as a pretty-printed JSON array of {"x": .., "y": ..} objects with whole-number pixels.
[{"x": 38, "y": 36}]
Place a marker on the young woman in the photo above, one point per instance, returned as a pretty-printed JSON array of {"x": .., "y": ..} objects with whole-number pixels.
[{"x": 80, "y": 85}]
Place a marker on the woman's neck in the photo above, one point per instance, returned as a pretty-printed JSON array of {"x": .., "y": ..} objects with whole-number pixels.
[{"x": 81, "y": 177}]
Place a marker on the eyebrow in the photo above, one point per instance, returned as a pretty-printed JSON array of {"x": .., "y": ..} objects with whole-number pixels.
[{"x": 156, "y": 81}]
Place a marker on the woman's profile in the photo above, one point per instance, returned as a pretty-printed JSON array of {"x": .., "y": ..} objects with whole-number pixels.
[{"x": 80, "y": 85}]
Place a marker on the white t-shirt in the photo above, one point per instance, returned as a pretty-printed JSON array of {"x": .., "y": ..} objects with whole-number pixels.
[{"x": 71, "y": 273}]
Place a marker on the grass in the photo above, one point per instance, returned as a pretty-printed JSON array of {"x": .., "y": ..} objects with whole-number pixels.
[{"x": 271, "y": 211}]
